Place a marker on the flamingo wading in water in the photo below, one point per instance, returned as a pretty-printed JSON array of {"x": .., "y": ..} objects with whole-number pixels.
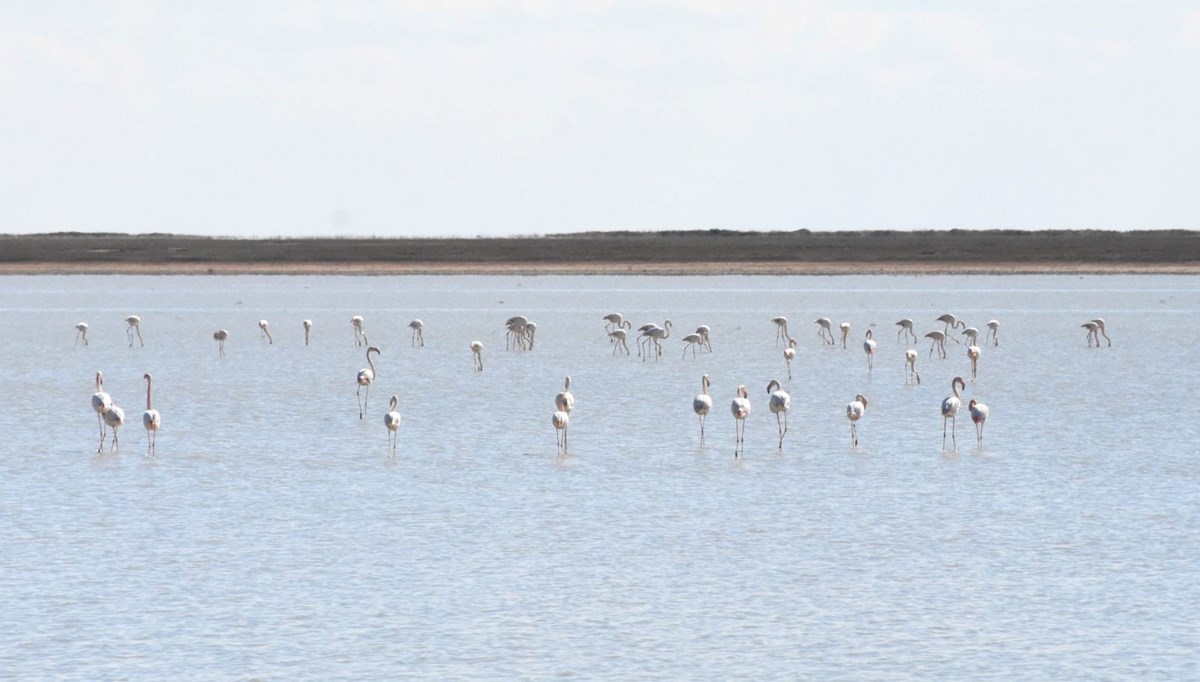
[
  {"x": 565, "y": 401},
  {"x": 974, "y": 352},
  {"x": 854, "y": 411},
  {"x": 979, "y": 415},
  {"x": 392, "y": 421},
  {"x": 993, "y": 328},
  {"x": 1099, "y": 322},
  {"x": 307, "y": 330},
  {"x": 910, "y": 365},
  {"x": 826, "y": 330},
  {"x": 702, "y": 404},
  {"x": 151, "y": 419},
  {"x": 364, "y": 379},
  {"x": 265, "y": 332},
  {"x": 740, "y": 407},
  {"x": 477, "y": 353},
  {"x": 906, "y": 329},
  {"x": 845, "y": 327},
  {"x": 114, "y": 417},
  {"x": 781, "y": 330},
  {"x": 869, "y": 348},
  {"x": 780, "y": 403},
  {"x": 101, "y": 403},
  {"x": 950, "y": 407},
  {"x": 938, "y": 341},
  {"x": 220, "y": 335},
  {"x": 135, "y": 325},
  {"x": 418, "y": 333},
  {"x": 360, "y": 335},
  {"x": 81, "y": 332},
  {"x": 789, "y": 354}
]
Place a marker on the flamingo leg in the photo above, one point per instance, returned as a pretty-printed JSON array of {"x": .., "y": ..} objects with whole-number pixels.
[
  {"x": 702, "y": 429},
  {"x": 358, "y": 395},
  {"x": 944, "y": 434}
]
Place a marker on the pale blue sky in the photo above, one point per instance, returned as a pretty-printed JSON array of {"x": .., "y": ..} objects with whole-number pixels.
[{"x": 507, "y": 117}]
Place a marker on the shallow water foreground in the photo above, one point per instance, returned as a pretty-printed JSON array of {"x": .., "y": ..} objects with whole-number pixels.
[{"x": 273, "y": 537}]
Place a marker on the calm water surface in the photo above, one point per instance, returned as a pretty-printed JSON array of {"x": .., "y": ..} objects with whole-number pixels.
[{"x": 273, "y": 537}]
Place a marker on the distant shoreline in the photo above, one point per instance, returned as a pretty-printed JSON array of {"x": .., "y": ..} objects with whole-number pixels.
[{"x": 710, "y": 252}]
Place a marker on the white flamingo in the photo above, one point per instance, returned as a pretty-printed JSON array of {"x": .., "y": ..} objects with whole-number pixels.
[
  {"x": 692, "y": 340},
  {"x": 101, "y": 403},
  {"x": 264, "y": 332},
  {"x": 360, "y": 335},
  {"x": 1099, "y": 322},
  {"x": 705, "y": 333},
  {"x": 845, "y": 327},
  {"x": 560, "y": 420},
  {"x": 135, "y": 325},
  {"x": 644, "y": 335},
  {"x": 740, "y": 407},
  {"x": 950, "y": 407},
  {"x": 1093, "y": 330},
  {"x": 418, "y": 333},
  {"x": 655, "y": 335},
  {"x": 906, "y": 329},
  {"x": 220, "y": 335},
  {"x": 565, "y": 401},
  {"x": 781, "y": 330},
  {"x": 910, "y": 365},
  {"x": 615, "y": 321},
  {"x": 364, "y": 379},
  {"x": 151, "y": 419},
  {"x": 779, "y": 403},
  {"x": 702, "y": 404},
  {"x": 81, "y": 333},
  {"x": 789, "y": 354},
  {"x": 972, "y": 335},
  {"x": 530, "y": 332},
  {"x": 477, "y": 353},
  {"x": 392, "y": 421},
  {"x": 993, "y": 328},
  {"x": 939, "y": 342},
  {"x": 617, "y": 338},
  {"x": 307, "y": 330},
  {"x": 114, "y": 417},
  {"x": 825, "y": 331},
  {"x": 516, "y": 335},
  {"x": 854, "y": 411},
  {"x": 974, "y": 352},
  {"x": 869, "y": 348},
  {"x": 979, "y": 415},
  {"x": 952, "y": 322}
]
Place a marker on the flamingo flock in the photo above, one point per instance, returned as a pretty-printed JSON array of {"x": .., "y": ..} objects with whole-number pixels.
[{"x": 520, "y": 333}]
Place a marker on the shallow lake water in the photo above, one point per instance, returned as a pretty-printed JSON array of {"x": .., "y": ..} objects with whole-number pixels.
[{"x": 274, "y": 537}]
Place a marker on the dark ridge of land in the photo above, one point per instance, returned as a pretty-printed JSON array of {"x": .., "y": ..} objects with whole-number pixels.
[{"x": 953, "y": 250}]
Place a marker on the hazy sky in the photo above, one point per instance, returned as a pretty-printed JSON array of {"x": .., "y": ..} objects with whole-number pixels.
[{"x": 507, "y": 117}]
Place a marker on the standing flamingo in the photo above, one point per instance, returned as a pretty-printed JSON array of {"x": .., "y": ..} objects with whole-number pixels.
[
  {"x": 307, "y": 330},
  {"x": 565, "y": 401},
  {"x": 974, "y": 352},
  {"x": 740, "y": 407},
  {"x": 950, "y": 407},
  {"x": 220, "y": 335},
  {"x": 906, "y": 329},
  {"x": 854, "y": 411},
  {"x": 114, "y": 417},
  {"x": 979, "y": 415},
  {"x": 151, "y": 419},
  {"x": 938, "y": 342},
  {"x": 516, "y": 335},
  {"x": 264, "y": 332},
  {"x": 826, "y": 330},
  {"x": 993, "y": 327},
  {"x": 392, "y": 421},
  {"x": 560, "y": 420},
  {"x": 81, "y": 332},
  {"x": 702, "y": 404},
  {"x": 705, "y": 336},
  {"x": 845, "y": 327},
  {"x": 360, "y": 335},
  {"x": 779, "y": 404},
  {"x": 789, "y": 354},
  {"x": 477, "y": 353},
  {"x": 617, "y": 338},
  {"x": 655, "y": 335},
  {"x": 101, "y": 403},
  {"x": 952, "y": 322},
  {"x": 869, "y": 349},
  {"x": 910, "y": 365},
  {"x": 364, "y": 379},
  {"x": 781, "y": 330},
  {"x": 418, "y": 333},
  {"x": 1099, "y": 322},
  {"x": 615, "y": 321},
  {"x": 972, "y": 335},
  {"x": 1093, "y": 330},
  {"x": 692, "y": 341},
  {"x": 135, "y": 325}
]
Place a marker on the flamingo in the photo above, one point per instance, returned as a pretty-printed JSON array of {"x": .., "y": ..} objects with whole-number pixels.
[
  {"x": 392, "y": 421},
  {"x": 364, "y": 379},
  {"x": 565, "y": 401},
  {"x": 560, "y": 420},
  {"x": 869, "y": 349},
  {"x": 906, "y": 329},
  {"x": 854, "y": 411},
  {"x": 702, "y": 404},
  {"x": 704, "y": 331},
  {"x": 789, "y": 354},
  {"x": 135, "y": 325},
  {"x": 910, "y": 364},
  {"x": 939, "y": 342},
  {"x": 615, "y": 321},
  {"x": 781, "y": 330},
  {"x": 81, "y": 333},
  {"x": 826, "y": 330},
  {"x": 264, "y": 332},
  {"x": 360, "y": 336},
  {"x": 220, "y": 335},
  {"x": 115, "y": 417},
  {"x": 644, "y": 334},
  {"x": 1099, "y": 322},
  {"x": 845, "y": 327},
  {"x": 740, "y": 407},
  {"x": 972, "y": 335},
  {"x": 307, "y": 330},
  {"x": 101, "y": 403},
  {"x": 993, "y": 327},
  {"x": 530, "y": 332},
  {"x": 515, "y": 336},
  {"x": 418, "y": 333},
  {"x": 692, "y": 340},
  {"x": 979, "y": 415},
  {"x": 477, "y": 353},
  {"x": 780, "y": 403},
  {"x": 974, "y": 352},
  {"x": 151, "y": 419},
  {"x": 617, "y": 338},
  {"x": 1093, "y": 329},
  {"x": 952, "y": 322},
  {"x": 655, "y": 335},
  {"x": 950, "y": 407}
]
